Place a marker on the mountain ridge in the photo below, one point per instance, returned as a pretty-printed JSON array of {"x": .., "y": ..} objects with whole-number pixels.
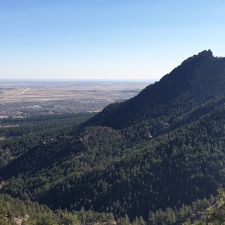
[{"x": 181, "y": 80}]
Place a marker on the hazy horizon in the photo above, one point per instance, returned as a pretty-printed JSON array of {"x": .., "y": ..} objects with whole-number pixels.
[{"x": 76, "y": 80}]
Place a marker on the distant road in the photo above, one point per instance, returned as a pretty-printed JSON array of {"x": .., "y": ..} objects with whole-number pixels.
[
  {"x": 24, "y": 91},
  {"x": 18, "y": 94}
]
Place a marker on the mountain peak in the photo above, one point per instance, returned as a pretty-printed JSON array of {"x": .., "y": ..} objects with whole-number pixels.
[{"x": 206, "y": 53}]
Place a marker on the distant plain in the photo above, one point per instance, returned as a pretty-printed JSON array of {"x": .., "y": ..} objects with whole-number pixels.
[{"x": 27, "y": 98}]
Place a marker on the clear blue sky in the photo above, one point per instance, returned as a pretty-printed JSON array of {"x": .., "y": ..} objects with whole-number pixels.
[{"x": 105, "y": 39}]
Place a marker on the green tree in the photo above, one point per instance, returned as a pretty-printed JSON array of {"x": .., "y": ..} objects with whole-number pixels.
[
  {"x": 46, "y": 221},
  {"x": 216, "y": 213},
  {"x": 70, "y": 220},
  {"x": 3, "y": 217}
]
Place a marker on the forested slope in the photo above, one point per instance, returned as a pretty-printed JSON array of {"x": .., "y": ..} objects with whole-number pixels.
[{"x": 159, "y": 150}]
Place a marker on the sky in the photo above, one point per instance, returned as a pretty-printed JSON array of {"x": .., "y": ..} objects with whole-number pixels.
[{"x": 105, "y": 39}]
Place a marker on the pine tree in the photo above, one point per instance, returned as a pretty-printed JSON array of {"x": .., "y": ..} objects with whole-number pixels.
[{"x": 4, "y": 220}]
